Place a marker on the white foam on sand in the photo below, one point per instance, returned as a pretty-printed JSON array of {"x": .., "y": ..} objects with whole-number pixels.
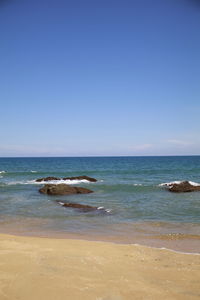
[
  {"x": 178, "y": 182},
  {"x": 167, "y": 249}
]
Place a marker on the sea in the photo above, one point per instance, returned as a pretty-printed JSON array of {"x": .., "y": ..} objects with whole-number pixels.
[{"x": 138, "y": 208}]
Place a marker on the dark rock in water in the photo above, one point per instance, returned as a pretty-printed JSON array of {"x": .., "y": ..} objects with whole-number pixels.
[
  {"x": 183, "y": 187},
  {"x": 47, "y": 179},
  {"x": 81, "y": 207},
  {"x": 63, "y": 189},
  {"x": 84, "y": 177}
]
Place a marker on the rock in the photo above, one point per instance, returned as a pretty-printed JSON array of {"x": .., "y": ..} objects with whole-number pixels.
[
  {"x": 47, "y": 179},
  {"x": 82, "y": 207},
  {"x": 84, "y": 177},
  {"x": 183, "y": 187},
  {"x": 63, "y": 189}
]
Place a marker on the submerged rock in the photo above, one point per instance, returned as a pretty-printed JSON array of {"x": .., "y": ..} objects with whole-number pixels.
[
  {"x": 84, "y": 177},
  {"x": 47, "y": 179},
  {"x": 81, "y": 207},
  {"x": 63, "y": 189},
  {"x": 183, "y": 187}
]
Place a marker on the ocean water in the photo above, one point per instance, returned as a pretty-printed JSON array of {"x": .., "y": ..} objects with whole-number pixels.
[{"x": 138, "y": 208}]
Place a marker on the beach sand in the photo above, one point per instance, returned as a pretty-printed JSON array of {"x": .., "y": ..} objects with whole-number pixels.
[{"x": 56, "y": 269}]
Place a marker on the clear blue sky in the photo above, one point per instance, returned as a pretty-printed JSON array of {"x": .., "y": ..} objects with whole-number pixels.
[{"x": 109, "y": 77}]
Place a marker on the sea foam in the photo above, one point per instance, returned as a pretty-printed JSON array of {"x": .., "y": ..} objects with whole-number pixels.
[
  {"x": 178, "y": 182},
  {"x": 67, "y": 181},
  {"x": 75, "y": 181}
]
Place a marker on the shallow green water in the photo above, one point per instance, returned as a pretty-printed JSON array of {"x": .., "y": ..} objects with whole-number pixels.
[{"x": 128, "y": 187}]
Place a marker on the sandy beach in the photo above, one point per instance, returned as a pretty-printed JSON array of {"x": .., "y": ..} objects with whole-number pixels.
[{"x": 57, "y": 269}]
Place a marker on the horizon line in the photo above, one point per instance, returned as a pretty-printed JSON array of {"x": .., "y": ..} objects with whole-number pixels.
[{"x": 90, "y": 156}]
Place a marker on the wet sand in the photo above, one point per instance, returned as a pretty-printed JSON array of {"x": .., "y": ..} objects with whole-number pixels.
[
  {"x": 57, "y": 269},
  {"x": 179, "y": 237}
]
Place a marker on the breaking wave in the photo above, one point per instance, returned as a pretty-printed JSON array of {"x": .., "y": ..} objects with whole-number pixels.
[
  {"x": 178, "y": 182},
  {"x": 75, "y": 181},
  {"x": 102, "y": 208}
]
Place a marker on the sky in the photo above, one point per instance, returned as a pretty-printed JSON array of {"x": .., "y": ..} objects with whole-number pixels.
[{"x": 99, "y": 78}]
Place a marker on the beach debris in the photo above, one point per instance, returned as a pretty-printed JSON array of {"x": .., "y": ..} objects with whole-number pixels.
[
  {"x": 51, "y": 178},
  {"x": 182, "y": 187},
  {"x": 63, "y": 189}
]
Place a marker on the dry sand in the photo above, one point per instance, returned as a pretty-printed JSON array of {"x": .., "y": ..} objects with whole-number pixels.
[{"x": 61, "y": 269}]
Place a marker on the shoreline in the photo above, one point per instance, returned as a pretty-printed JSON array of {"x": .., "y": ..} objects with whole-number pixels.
[
  {"x": 162, "y": 242},
  {"x": 157, "y": 236},
  {"x": 46, "y": 268},
  {"x": 112, "y": 240}
]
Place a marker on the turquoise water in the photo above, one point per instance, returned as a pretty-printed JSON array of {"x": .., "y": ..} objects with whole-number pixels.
[{"x": 127, "y": 186}]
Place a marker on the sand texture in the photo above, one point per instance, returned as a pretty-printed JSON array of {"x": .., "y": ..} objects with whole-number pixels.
[{"x": 61, "y": 269}]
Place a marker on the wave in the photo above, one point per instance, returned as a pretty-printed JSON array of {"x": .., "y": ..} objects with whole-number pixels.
[
  {"x": 68, "y": 181},
  {"x": 75, "y": 181},
  {"x": 102, "y": 208},
  {"x": 18, "y": 172},
  {"x": 166, "y": 249},
  {"x": 178, "y": 182}
]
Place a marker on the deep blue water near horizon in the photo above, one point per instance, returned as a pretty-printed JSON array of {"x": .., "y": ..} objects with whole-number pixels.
[{"x": 127, "y": 186}]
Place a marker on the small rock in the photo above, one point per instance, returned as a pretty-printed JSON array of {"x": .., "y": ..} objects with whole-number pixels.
[
  {"x": 63, "y": 189},
  {"x": 82, "y": 207},
  {"x": 47, "y": 179},
  {"x": 183, "y": 187}
]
